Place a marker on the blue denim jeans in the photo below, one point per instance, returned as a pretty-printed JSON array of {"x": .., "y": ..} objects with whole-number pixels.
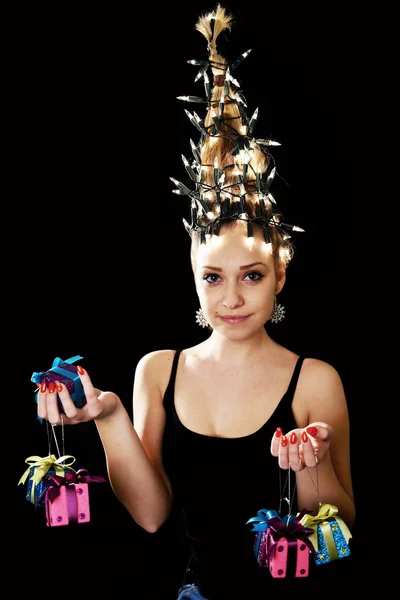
[{"x": 190, "y": 592}]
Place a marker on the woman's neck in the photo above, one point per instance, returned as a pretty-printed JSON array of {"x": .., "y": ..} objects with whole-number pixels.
[{"x": 237, "y": 351}]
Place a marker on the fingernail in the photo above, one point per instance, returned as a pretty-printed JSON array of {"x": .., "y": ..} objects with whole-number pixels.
[
  {"x": 312, "y": 431},
  {"x": 52, "y": 387},
  {"x": 58, "y": 386},
  {"x": 43, "y": 387},
  {"x": 304, "y": 437},
  {"x": 80, "y": 370},
  {"x": 278, "y": 432},
  {"x": 284, "y": 441},
  {"x": 293, "y": 438}
]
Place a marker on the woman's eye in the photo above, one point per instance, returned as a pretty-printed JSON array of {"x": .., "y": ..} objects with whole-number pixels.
[
  {"x": 253, "y": 276},
  {"x": 211, "y": 278}
]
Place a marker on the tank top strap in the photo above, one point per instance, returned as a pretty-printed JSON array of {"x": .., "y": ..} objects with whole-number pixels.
[
  {"x": 293, "y": 382},
  {"x": 168, "y": 399}
]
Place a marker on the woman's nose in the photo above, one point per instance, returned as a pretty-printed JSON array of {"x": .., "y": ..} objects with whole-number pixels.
[{"x": 232, "y": 296}]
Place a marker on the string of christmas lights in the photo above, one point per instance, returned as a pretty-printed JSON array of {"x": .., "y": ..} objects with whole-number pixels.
[{"x": 220, "y": 199}]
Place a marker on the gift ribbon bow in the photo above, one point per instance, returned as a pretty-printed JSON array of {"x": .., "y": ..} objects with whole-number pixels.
[
  {"x": 71, "y": 478},
  {"x": 59, "y": 367},
  {"x": 292, "y": 531},
  {"x": 261, "y": 523},
  {"x": 326, "y": 513},
  {"x": 42, "y": 467}
]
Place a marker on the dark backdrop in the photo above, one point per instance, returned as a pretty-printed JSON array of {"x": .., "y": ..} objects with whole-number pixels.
[{"x": 108, "y": 258}]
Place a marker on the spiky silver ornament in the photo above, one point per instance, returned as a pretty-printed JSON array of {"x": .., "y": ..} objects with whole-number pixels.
[
  {"x": 278, "y": 312},
  {"x": 200, "y": 318}
]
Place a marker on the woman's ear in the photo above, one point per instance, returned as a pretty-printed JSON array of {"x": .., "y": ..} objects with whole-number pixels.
[{"x": 280, "y": 277}]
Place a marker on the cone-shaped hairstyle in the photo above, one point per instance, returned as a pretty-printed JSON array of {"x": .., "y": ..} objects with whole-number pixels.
[{"x": 232, "y": 171}]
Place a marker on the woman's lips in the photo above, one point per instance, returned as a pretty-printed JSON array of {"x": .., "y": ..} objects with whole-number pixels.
[{"x": 232, "y": 320}]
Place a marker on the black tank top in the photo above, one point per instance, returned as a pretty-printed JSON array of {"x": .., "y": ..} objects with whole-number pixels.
[{"x": 220, "y": 483}]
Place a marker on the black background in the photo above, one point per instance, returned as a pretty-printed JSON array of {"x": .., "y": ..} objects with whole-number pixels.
[{"x": 107, "y": 259}]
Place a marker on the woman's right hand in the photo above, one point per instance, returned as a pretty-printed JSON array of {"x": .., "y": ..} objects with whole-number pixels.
[{"x": 98, "y": 404}]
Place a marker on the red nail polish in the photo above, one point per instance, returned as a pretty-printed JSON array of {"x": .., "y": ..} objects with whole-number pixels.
[
  {"x": 43, "y": 387},
  {"x": 80, "y": 370},
  {"x": 58, "y": 386},
  {"x": 304, "y": 437},
  {"x": 52, "y": 387},
  {"x": 278, "y": 432},
  {"x": 312, "y": 431},
  {"x": 284, "y": 441},
  {"x": 293, "y": 438}
]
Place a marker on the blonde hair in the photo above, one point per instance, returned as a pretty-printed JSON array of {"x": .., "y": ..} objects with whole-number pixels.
[{"x": 219, "y": 148}]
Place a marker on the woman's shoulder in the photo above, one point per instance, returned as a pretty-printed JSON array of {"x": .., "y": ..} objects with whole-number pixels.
[
  {"x": 155, "y": 362},
  {"x": 320, "y": 381},
  {"x": 315, "y": 369},
  {"x": 156, "y": 365}
]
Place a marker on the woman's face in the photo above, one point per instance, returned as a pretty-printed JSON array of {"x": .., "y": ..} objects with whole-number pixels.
[{"x": 236, "y": 281}]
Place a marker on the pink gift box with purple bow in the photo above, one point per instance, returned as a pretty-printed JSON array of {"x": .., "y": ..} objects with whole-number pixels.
[{"x": 67, "y": 498}]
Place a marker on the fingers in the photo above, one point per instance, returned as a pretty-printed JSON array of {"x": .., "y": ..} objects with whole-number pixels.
[
  {"x": 41, "y": 401},
  {"x": 294, "y": 450},
  {"x": 308, "y": 452},
  {"x": 319, "y": 428},
  {"x": 320, "y": 431},
  {"x": 50, "y": 396},
  {"x": 287, "y": 449},
  {"x": 298, "y": 448},
  {"x": 51, "y": 399},
  {"x": 275, "y": 442},
  {"x": 91, "y": 394},
  {"x": 283, "y": 456},
  {"x": 295, "y": 461}
]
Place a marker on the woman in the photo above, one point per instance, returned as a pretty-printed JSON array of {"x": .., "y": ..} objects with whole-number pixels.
[{"x": 237, "y": 423}]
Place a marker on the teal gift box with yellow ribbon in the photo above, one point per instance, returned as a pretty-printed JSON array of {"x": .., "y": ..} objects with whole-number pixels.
[
  {"x": 331, "y": 535},
  {"x": 38, "y": 470}
]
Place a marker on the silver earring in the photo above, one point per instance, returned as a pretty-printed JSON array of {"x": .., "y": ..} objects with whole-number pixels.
[
  {"x": 278, "y": 312},
  {"x": 200, "y": 318}
]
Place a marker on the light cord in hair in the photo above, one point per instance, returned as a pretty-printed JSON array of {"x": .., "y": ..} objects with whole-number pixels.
[{"x": 240, "y": 190}]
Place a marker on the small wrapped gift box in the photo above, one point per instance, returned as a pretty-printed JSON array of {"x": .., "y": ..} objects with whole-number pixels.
[
  {"x": 288, "y": 547},
  {"x": 65, "y": 372},
  {"x": 70, "y": 506},
  {"x": 67, "y": 498},
  {"x": 260, "y": 525},
  {"x": 37, "y": 472},
  {"x": 330, "y": 534}
]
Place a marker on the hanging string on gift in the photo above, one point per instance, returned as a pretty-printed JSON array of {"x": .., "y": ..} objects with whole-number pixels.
[
  {"x": 53, "y": 436},
  {"x": 290, "y": 495},
  {"x": 316, "y": 484},
  {"x": 331, "y": 536}
]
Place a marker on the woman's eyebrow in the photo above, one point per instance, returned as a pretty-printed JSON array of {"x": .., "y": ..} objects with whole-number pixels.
[{"x": 241, "y": 268}]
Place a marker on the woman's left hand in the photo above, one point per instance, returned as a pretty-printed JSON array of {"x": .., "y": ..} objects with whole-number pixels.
[{"x": 300, "y": 448}]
